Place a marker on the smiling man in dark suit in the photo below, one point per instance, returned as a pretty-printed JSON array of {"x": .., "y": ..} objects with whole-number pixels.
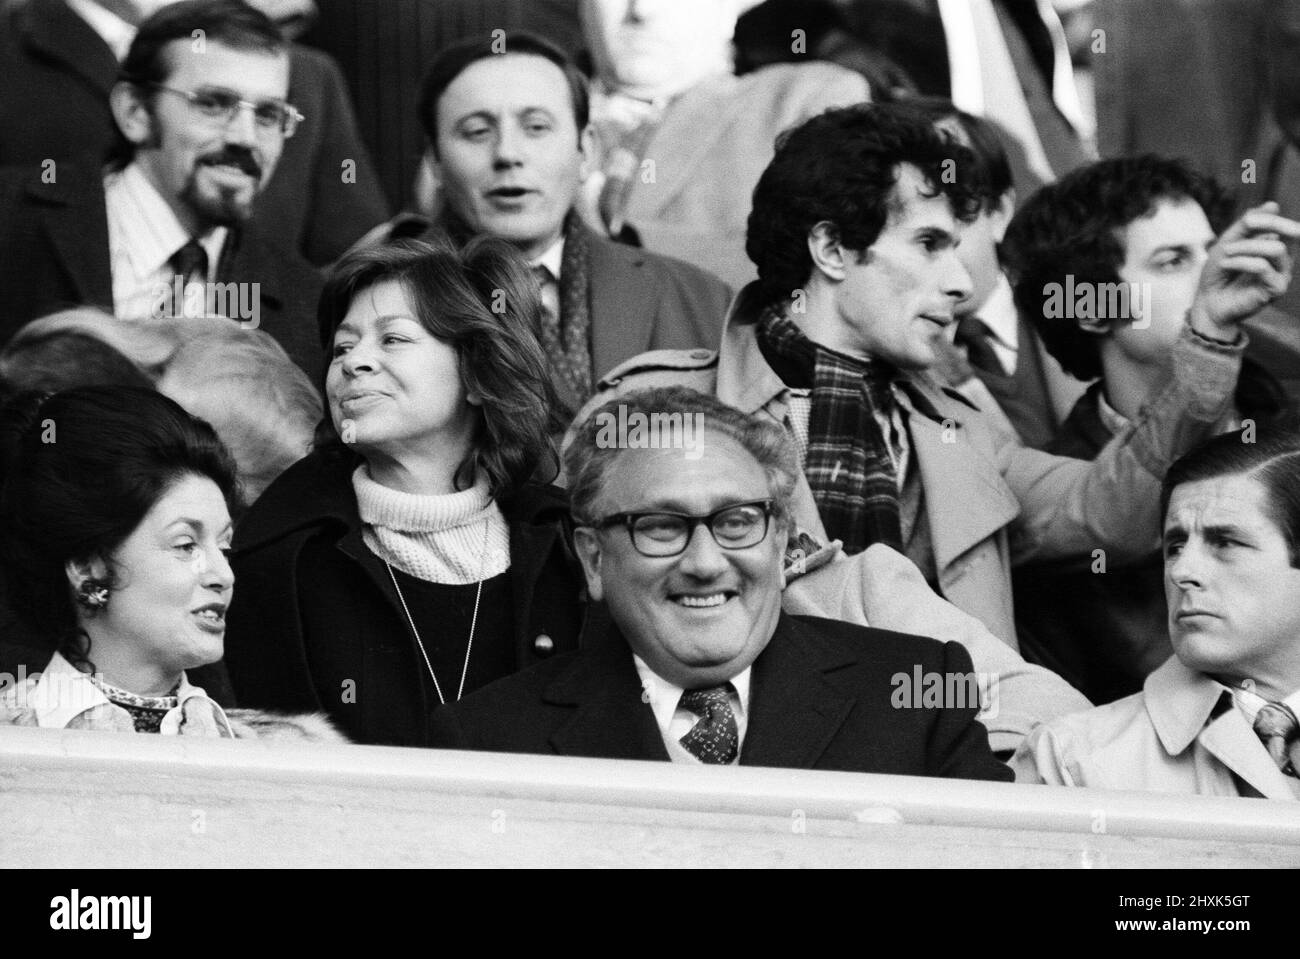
[
  {"x": 202, "y": 118},
  {"x": 683, "y": 513},
  {"x": 510, "y": 147}
]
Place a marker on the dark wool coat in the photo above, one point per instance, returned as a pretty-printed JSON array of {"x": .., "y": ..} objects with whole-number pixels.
[{"x": 302, "y": 543}]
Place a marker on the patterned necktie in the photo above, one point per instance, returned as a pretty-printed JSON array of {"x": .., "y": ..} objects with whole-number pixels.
[
  {"x": 715, "y": 739},
  {"x": 1279, "y": 731}
]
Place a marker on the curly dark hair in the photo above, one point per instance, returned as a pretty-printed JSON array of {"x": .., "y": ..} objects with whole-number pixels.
[
  {"x": 79, "y": 470},
  {"x": 481, "y": 300},
  {"x": 1072, "y": 228},
  {"x": 841, "y": 167}
]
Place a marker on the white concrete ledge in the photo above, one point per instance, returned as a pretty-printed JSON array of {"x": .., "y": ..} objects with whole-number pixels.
[{"x": 79, "y": 798}]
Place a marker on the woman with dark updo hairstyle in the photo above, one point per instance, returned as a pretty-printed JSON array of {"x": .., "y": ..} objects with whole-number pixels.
[
  {"x": 114, "y": 527},
  {"x": 418, "y": 552}
]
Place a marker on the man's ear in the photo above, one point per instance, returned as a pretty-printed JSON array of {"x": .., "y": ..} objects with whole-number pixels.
[
  {"x": 587, "y": 544},
  {"x": 1001, "y": 214},
  {"x": 131, "y": 112},
  {"x": 587, "y": 148},
  {"x": 827, "y": 254},
  {"x": 426, "y": 191}
]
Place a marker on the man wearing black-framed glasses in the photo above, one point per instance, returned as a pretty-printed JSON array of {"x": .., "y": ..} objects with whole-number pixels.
[
  {"x": 165, "y": 229},
  {"x": 682, "y": 534}
]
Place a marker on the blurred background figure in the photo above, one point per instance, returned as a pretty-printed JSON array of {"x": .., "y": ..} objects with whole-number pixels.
[
  {"x": 114, "y": 528},
  {"x": 262, "y": 406},
  {"x": 240, "y": 381},
  {"x": 1009, "y": 61},
  {"x": 681, "y": 139}
]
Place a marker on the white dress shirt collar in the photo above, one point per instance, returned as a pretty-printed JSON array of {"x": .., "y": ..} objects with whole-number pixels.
[
  {"x": 664, "y": 698},
  {"x": 143, "y": 235},
  {"x": 551, "y": 259},
  {"x": 1251, "y": 702}
]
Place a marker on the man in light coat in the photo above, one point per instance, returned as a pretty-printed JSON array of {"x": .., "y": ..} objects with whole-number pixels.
[{"x": 1219, "y": 717}]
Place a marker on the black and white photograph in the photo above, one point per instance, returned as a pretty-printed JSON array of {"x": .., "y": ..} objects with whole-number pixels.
[{"x": 649, "y": 435}]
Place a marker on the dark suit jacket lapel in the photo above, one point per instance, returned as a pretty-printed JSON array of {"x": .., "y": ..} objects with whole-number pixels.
[
  {"x": 76, "y": 224},
  {"x": 794, "y": 711},
  {"x": 622, "y": 302},
  {"x": 610, "y": 719},
  {"x": 247, "y": 258},
  {"x": 50, "y": 27}
]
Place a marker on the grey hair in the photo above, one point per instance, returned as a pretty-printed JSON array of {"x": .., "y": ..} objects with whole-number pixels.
[{"x": 587, "y": 462}]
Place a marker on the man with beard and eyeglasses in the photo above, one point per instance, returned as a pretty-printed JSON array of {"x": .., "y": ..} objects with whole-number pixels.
[{"x": 163, "y": 231}]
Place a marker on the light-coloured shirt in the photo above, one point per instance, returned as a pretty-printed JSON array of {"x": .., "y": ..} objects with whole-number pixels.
[
  {"x": 112, "y": 29},
  {"x": 143, "y": 235},
  {"x": 674, "y": 721},
  {"x": 63, "y": 697},
  {"x": 1251, "y": 702}
]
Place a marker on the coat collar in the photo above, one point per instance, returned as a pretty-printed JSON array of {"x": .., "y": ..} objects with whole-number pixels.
[
  {"x": 64, "y": 693},
  {"x": 1180, "y": 703},
  {"x": 794, "y": 710}
]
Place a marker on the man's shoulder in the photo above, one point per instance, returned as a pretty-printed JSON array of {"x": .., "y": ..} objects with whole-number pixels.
[
  {"x": 795, "y": 91},
  {"x": 666, "y": 270},
  {"x": 50, "y": 184},
  {"x": 696, "y": 369},
  {"x": 1078, "y": 735},
  {"x": 868, "y": 642}
]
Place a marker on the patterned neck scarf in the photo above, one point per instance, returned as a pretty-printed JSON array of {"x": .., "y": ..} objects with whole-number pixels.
[
  {"x": 566, "y": 339},
  {"x": 848, "y": 462}
]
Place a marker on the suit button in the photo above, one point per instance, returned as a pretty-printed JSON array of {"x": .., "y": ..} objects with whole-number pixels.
[
  {"x": 700, "y": 354},
  {"x": 544, "y": 645}
]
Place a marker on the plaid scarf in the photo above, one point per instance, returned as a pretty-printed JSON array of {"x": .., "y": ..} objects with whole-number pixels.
[
  {"x": 848, "y": 462},
  {"x": 565, "y": 339}
]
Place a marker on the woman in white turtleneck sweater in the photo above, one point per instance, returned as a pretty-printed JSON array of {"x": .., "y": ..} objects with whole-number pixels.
[{"x": 411, "y": 558}]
